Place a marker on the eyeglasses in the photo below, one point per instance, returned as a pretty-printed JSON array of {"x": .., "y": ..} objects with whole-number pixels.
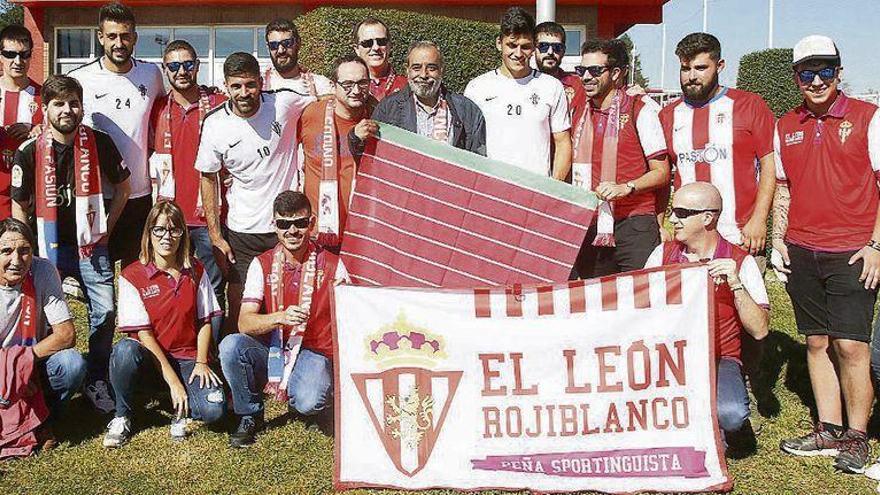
[
  {"x": 682, "y": 213},
  {"x": 369, "y": 43},
  {"x": 594, "y": 70},
  {"x": 285, "y": 223},
  {"x": 807, "y": 76},
  {"x": 274, "y": 45},
  {"x": 546, "y": 46},
  {"x": 188, "y": 66},
  {"x": 11, "y": 54},
  {"x": 159, "y": 232},
  {"x": 363, "y": 85}
]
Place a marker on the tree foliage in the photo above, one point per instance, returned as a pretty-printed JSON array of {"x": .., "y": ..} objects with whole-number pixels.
[
  {"x": 638, "y": 77},
  {"x": 768, "y": 73},
  {"x": 10, "y": 14}
]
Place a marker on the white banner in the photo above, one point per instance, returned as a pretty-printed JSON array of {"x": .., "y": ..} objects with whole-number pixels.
[{"x": 604, "y": 385}]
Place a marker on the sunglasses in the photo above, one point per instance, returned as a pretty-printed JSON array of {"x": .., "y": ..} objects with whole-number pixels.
[
  {"x": 546, "y": 46},
  {"x": 285, "y": 223},
  {"x": 369, "y": 43},
  {"x": 159, "y": 232},
  {"x": 188, "y": 66},
  {"x": 11, "y": 54},
  {"x": 274, "y": 45},
  {"x": 807, "y": 76},
  {"x": 682, "y": 213},
  {"x": 593, "y": 70},
  {"x": 363, "y": 85}
]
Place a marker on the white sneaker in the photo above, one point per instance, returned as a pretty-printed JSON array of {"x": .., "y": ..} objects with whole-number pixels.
[
  {"x": 71, "y": 287},
  {"x": 873, "y": 472},
  {"x": 178, "y": 428},
  {"x": 118, "y": 432},
  {"x": 99, "y": 394}
]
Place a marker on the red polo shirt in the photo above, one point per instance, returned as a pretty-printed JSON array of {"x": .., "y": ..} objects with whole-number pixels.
[
  {"x": 382, "y": 87},
  {"x": 185, "y": 136},
  {"x": 640, "y": 139},
  {"x": 574, "y": 91},
  {"x": 830, "y": 163},
  {"x": 175, "y": 310},
  {"x": 318, "y": 336}
]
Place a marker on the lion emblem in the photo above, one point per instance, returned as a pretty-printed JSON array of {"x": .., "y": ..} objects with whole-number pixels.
[{"x": 413, "y": 416}]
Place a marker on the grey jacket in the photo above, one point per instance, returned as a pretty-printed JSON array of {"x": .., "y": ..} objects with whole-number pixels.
[{"x": 399, "y": 109}]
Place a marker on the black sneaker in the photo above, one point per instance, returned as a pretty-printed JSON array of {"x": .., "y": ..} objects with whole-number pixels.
[
  {"x": 818, "y": 442},
  {"x": 854, "y": 454},
  {"x": 245, "y": 434}
]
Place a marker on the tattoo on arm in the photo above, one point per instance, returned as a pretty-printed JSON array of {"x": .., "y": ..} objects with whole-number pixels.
[{"x": 781, "y": 203}]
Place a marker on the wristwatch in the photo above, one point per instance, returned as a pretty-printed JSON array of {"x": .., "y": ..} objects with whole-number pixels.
[
  {"x": 874, "y": 245},
  {"x": 632, "y": 187}
]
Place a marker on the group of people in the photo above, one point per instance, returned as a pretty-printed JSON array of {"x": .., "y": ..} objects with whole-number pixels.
[{"x": 218, "y": 293}]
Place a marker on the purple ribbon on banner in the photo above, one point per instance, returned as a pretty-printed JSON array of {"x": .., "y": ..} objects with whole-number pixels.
[{"x": 625, "y": 463}]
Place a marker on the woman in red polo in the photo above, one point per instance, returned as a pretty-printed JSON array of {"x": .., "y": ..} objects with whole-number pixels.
[{"x": 165, "y": 307}]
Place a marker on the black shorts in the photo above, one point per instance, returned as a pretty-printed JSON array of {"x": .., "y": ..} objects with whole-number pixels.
[
  {"x": 826, "y": 294},
  {"x": 125, "y": 240},
  {"x": 246, "y": 247},
  {"x": 635, "y": 239}
]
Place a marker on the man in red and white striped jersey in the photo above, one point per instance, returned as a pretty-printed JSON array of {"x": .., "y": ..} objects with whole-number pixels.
[
  {"x": 723, "y": 136},
  {"x": 372, "y": 43},
  {"x": 741, "y": 303},
  {"x": 20, "y": 102}
]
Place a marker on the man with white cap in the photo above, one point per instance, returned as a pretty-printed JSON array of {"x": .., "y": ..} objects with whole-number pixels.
[{"x": 829, "y": 249}]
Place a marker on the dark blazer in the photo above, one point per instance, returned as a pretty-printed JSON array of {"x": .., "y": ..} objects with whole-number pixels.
[{"x": 399, "y": 109}]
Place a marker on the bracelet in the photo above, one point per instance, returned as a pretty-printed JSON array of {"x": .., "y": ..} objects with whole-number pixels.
[
  {"x": 201, "y": 362},
  {"x": 737, "y": 287},
  {"x": 873, "y": 245}
]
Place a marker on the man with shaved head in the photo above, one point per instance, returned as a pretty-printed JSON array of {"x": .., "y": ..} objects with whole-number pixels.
[{"x": 741, "y": 303}]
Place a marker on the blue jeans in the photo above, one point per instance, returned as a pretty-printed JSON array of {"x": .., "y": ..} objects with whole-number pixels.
[
  {"x": 206, "y": 404},
  {"x": 204, "y": 250},
  {"x": 245, "y": 365},
  {"x": 95, "y": 277},
  {"x": 732, "y": 397},
  {"x": 62, "y": 374}
]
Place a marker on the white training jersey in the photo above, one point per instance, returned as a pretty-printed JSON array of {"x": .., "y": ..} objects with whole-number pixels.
[
  {"x": 521, "y": 117},
  {"x": 120, "y": 105},
  {"x": 259, "y": 152},
  {"x": 323, "y": 85}
]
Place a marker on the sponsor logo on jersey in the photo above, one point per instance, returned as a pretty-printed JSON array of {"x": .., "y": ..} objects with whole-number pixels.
[
  {"x": 796, "y": 137},
  {"x": 709, "y": 154},
  {"x": 150, "y": 292},
  {"x": 276, "y": 127}
]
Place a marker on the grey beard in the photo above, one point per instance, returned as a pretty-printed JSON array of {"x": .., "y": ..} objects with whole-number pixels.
[{"x": 423, "y": 91}]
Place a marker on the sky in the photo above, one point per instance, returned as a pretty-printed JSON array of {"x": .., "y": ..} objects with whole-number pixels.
[{"x": 742, "y": 27}]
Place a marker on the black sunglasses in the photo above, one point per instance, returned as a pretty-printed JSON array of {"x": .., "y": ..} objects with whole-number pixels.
[
  {"x": 11, "y": 54},
  {"x": 188, "y": 66},
  {"x": 285, "y": 223},
  {"x": 369, "y": 43},
  {"x": 682, "y": 213},
  {"x": 160, "y": 231},
  {"x": 593, "y": 70},
  {"x": 273, "y": 45},
  {"x": 825, "y": 74},
  {"x": 546, "y": 46}
]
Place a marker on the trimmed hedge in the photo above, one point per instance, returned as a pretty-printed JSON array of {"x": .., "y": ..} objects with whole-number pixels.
[
  {"x": 768, "y": 73},
  {"x": 468, "y": 46}
]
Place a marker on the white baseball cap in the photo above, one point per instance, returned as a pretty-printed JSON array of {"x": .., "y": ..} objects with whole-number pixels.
[{"x": 815, "y": 47}]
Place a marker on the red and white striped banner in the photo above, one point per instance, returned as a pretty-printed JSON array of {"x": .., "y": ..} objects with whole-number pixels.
[
  {"x": 592, "y": 385},
  {"x": 426, "y": 214}
]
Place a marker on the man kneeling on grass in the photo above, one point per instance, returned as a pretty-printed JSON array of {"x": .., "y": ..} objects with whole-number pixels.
[
  {"x": 166, "y": 303},
  {"x": 36, "y": 341},
  {"x": 284, "y": 345},
  {"x": 741, "y": 303}
]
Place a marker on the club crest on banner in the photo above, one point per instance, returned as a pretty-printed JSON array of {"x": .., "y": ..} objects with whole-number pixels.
[{"x": 407, "y": 400}]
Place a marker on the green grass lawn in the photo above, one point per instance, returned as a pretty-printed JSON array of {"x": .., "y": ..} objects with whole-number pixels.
[{"x": 289, "y": 459}]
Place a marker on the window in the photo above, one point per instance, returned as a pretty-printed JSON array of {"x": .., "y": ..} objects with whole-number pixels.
[
  {"x": 77, "y": 45},
  {"x": 573, "y": 41}
]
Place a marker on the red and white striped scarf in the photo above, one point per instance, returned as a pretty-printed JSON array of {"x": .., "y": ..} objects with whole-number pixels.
[
  {"x": 306, "y": 76},
  {"x": 382, "y": 91},
  {"x": 162, "y": 159},
  {"x": 285, "y": 341},
  {"x": 328, "y": 231},
  {"x": 582, "y": 163},
  {"x": 91, "y": 219},
  {"x": 26, "y": 329}
]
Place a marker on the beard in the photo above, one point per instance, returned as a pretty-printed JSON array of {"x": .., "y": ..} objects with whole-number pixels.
[
  {"x": 548, "y": 64},
  {"x": 290, "y": 63},
  {"x": 425, "y": 88},
  {"x": 66, "y": 126},
  {"x": 180, "y": 85},
  {"x": 246, "y": 105},
  {"x": 700, "y": 92},
  {"x": 117, "y": 56}
]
